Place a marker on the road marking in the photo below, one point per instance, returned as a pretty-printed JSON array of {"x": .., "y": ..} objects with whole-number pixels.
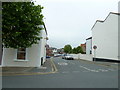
[
  {"x": 36, "y": 73},
  {"x": 98, "y": 70},
  {"x": 54, "y": 66},
  {"x": 62, "y": 63},
  {"x": 94, "y": 71},
  {"x": 86, "y": 68},
  {"x": 65, "y": 72},
  {"x": 112, "y": 69},
  {"x": 102, "y": 70},
  {"x": 100, "y": 64}
]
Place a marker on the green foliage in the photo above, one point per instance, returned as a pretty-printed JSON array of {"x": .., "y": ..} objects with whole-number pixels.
[
  {"x": 77, "y": 50},
  {"x": 20, "y": 22},
  {"x": 67, "y": 49},
  {"x": 74, "y": 50}
]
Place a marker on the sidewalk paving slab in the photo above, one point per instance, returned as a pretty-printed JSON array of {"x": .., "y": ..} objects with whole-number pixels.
[{"x": 45, "y": 68}]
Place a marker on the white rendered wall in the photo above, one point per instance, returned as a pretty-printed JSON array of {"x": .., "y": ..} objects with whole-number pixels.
[
  {"x": 119, "y": 37},
  {"x": 86, "y": 57},
  {"x": 43, "y": 42},
  {"x": 32, "y": 57},
  {"x": 75, "y": 56},
  {"x": 105, "y": 37},
  {"x": 88, "y": 46},
  {"x": 82, "y": 56}
]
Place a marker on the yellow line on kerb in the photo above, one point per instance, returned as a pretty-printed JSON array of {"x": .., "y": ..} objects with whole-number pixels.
[
  {"x": 54, "y": 70},
  {"x": 36, "y": 73}
]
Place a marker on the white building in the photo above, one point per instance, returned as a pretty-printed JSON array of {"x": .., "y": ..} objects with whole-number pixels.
[
  {"x": 54, "y": 50},
  {"x": 89, "y": 45},
  {"x": 105, "y": 38},
  {"x": 34, "y": 56}
]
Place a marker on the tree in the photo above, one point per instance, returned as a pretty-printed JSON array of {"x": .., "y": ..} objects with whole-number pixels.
[
  {"x": 74, "y": 50},
  {"x": 21, "y": 22},
  {"x": 67, "y": 49},
  {"x": 77, "y": 50}
]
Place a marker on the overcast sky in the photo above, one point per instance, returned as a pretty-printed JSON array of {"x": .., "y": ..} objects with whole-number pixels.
[{"x": 70, "y": 21}]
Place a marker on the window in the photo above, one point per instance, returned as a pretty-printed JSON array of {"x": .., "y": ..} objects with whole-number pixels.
[{"x": 21, "y": 53}]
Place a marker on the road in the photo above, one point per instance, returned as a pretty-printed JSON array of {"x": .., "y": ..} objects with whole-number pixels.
[{"x": 70, "y": 74}]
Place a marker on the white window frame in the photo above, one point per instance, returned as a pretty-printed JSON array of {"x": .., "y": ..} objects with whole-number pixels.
[{"x": 22, "y": 60}]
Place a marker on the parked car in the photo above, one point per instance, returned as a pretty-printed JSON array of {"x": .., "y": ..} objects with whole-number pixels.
[
  {"x": 47, "y": 56},
  {"x": 63, "y": 56},
  {"x": 57, "y": 55},
  {"x": 69, "y": 57}
]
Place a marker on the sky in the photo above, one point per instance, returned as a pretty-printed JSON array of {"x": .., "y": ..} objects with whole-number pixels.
[{"x": 70, "y": 21}]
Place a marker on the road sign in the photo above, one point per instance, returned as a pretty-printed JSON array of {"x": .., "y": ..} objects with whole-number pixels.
[{"x": 94, "y": 47}]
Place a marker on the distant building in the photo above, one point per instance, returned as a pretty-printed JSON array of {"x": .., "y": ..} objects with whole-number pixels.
[
  {"x": 83, "y": 46},
  {"x": 60, "y": 51},
  {"x": 54, "y": 50},
  {"x": 89, "y": 45},
  {"x": 105, "y": 38},
  {"x": 49, "y": 51}
]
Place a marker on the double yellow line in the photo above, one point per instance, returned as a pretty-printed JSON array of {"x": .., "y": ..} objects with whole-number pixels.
[{"x": 54, "y": 68}]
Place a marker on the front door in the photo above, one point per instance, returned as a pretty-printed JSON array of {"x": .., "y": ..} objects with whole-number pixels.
[{"x": 41, "y": 60}]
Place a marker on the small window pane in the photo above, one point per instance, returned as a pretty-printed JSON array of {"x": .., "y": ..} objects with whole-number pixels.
[{"x": 21, "y": 53}]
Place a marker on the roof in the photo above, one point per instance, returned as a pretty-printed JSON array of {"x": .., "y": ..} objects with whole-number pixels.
[
  {"x": 89, "y": 38},
  {"x": 83, "y": 44},
  {"x": 105, "y": 18}
]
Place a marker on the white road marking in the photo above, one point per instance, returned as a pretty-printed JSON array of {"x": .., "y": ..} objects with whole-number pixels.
[
  {"x": 73, "y": 63},
  {"x": 94, "y": 71},
  {"x": 89, "y": 69},
  {"x": 98, "y": 70},
  {"x": 102, "y": 70},
  {"x": 65, "y": 72},
  {"x": 111, "y": 69},
  {"x": 62, "y": 63}
]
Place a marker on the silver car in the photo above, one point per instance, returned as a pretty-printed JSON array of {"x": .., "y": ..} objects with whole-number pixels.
[{"x": 69, "y": 57}]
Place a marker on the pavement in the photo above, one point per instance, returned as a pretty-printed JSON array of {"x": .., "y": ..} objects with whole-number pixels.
[
  {"x": 107, "y": 64},
  {"x": 47, "y": 68}
]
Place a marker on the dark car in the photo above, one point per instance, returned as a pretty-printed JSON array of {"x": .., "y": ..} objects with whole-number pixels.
[{"x": 47, "y": 56}]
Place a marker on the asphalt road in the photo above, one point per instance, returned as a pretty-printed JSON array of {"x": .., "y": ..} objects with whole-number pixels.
[{"x": 70, "y": 74}]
